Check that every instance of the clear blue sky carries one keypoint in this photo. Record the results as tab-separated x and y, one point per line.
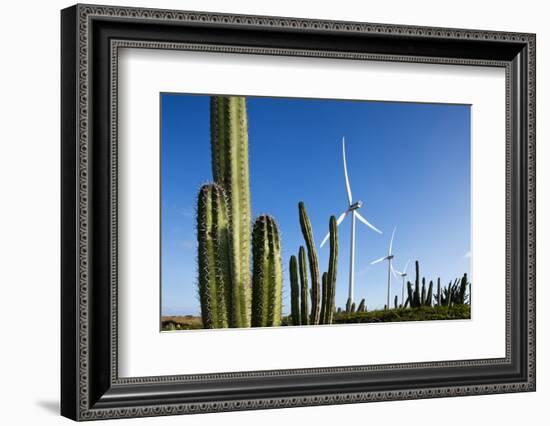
409	163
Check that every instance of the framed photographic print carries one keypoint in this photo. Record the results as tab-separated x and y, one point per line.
263	212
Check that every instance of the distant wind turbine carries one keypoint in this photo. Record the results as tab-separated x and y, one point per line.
389	258
402	274
353	209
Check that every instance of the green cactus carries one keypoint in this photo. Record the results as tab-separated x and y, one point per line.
429	295
267	273
410	295
324	298
362	306
395	302
294	291
438	291
423	294
332	270
229	144
352	309
461	296
304	286
348	305
214	256
417	302
305	225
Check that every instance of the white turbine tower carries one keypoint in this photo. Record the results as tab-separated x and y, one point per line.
402	274
353	208
389	258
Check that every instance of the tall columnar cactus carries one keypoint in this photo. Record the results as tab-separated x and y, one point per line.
362	306
324	298
304	287
461	296
229	143
332	272
423	294
214	256
305	225
267	273
410	295
429	295
416	302
395	302
438	291
294	291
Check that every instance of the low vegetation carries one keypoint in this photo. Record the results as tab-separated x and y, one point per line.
424	313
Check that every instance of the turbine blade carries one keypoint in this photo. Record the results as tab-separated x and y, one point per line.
378	260
394	272
406	266
365	221
391	241
341	217
325	240
350	197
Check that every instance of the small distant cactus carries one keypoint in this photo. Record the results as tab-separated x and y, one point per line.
348	305
267	273
454	294
395	302
429	295
362	306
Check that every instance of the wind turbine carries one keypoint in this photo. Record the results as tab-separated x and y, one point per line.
389	258
352	208
402	274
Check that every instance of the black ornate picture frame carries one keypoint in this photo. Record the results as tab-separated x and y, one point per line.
90	38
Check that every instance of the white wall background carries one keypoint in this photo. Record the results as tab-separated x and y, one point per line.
29	212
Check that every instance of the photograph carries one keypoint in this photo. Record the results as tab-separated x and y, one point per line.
283	212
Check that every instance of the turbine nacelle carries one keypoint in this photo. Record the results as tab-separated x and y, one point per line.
355	206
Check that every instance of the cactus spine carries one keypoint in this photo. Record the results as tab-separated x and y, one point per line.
214	256
229	143
267	273
305	225
304	312
294	291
